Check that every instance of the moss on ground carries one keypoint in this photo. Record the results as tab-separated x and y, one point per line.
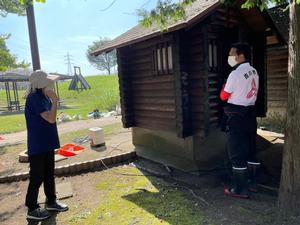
137	199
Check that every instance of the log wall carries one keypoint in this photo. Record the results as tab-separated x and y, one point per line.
148	98
277	70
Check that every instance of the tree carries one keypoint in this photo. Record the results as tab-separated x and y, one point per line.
7	60
11	6
289	193
105	61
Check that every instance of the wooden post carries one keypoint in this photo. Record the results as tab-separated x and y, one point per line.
205	80
259	63
125	91
33	37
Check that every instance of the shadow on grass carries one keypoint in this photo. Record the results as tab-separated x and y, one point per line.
167	204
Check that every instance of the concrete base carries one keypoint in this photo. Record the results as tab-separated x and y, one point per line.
189	154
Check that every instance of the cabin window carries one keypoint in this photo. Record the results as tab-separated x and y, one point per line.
163	59
213	56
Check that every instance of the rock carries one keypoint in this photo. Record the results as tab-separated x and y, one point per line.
23	157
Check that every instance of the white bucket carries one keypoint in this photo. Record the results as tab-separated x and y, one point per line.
96	135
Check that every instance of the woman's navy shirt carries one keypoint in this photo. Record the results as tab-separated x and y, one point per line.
42	136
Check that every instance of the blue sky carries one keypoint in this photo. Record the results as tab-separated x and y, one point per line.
70	26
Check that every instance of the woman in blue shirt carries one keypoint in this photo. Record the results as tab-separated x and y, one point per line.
42	140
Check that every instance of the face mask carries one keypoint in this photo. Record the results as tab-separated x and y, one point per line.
231	61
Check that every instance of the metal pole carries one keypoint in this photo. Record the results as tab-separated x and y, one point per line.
33	37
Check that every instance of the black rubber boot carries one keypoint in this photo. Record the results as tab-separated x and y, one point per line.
253	171
240	186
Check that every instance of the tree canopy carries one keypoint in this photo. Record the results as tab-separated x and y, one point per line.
166	12
7	60
11	6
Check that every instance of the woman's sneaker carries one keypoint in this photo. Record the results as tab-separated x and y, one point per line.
56	206
38	214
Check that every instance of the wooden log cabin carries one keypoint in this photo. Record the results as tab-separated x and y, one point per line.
170	81
277	64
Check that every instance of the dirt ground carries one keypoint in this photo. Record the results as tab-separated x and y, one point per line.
126	194
119	142
99	198
20	137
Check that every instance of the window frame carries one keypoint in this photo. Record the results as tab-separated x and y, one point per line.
213	59
162	61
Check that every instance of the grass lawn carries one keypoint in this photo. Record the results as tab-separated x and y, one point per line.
104	95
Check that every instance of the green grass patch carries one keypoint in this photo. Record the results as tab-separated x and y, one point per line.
139	200
103	95
12	123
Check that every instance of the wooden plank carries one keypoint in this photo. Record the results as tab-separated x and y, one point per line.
155	120
277	82
278	75
156	86
127	59
153	80
197	93
155	107
156	126
147	93
126	106
213	105
278	65
277	88
196	101
198	108
161	115
156	100
152	42
275	59
198	116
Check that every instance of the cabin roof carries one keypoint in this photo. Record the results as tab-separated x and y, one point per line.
138	33
195	12
280	16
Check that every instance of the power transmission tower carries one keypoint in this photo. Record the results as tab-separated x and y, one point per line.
69	62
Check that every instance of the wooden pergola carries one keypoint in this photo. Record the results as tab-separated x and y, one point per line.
11	80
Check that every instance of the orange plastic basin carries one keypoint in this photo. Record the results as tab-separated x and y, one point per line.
65	152
78	148
70	149
68	145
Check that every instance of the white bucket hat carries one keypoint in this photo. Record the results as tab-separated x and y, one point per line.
40	79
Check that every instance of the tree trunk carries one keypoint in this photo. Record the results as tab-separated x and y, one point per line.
289	193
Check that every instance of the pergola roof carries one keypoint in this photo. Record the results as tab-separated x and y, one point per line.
22	74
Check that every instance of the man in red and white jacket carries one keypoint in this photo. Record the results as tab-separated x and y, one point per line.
240	92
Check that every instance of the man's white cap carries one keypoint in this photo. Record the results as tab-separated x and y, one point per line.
40	79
